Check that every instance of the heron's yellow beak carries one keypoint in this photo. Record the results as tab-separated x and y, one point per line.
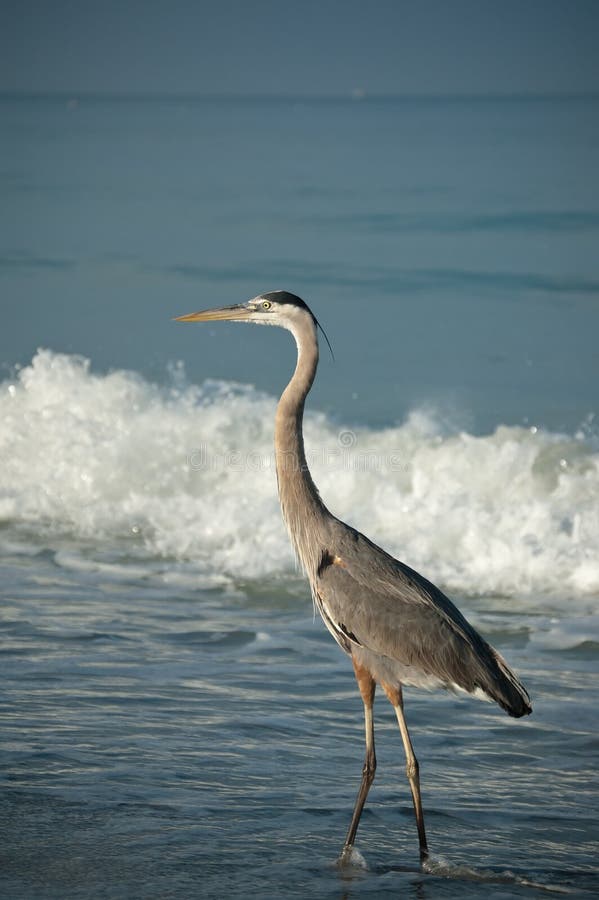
210	315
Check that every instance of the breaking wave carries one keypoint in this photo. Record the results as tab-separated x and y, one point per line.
184	476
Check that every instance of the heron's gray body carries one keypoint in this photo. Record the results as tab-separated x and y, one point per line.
397	627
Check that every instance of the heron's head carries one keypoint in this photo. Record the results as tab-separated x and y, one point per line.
274	308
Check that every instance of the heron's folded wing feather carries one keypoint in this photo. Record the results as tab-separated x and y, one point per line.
375	601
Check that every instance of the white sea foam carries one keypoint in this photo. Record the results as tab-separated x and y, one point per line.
185	477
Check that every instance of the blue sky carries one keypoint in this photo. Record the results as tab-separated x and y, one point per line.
326	47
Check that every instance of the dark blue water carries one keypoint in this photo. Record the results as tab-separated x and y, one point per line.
448	245
174	721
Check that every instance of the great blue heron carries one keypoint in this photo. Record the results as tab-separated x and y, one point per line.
397	627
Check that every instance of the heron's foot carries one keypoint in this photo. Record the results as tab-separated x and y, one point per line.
350	858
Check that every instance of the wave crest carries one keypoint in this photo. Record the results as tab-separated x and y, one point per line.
186	473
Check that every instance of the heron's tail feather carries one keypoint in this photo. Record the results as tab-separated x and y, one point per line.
508	691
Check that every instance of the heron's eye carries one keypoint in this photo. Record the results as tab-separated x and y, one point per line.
266	304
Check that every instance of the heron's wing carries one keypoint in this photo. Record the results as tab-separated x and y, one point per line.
369	599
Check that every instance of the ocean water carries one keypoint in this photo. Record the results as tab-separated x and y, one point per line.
175	722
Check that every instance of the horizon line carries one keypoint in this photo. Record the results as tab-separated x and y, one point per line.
356	95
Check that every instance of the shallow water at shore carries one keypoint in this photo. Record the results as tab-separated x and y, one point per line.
180	743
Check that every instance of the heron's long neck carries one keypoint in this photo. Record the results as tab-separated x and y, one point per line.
303	510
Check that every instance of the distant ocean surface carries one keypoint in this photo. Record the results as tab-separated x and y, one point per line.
174	721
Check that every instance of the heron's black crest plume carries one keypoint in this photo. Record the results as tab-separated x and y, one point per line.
318	325
284	297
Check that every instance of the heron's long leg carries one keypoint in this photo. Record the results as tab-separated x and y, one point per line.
412	769
367	686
